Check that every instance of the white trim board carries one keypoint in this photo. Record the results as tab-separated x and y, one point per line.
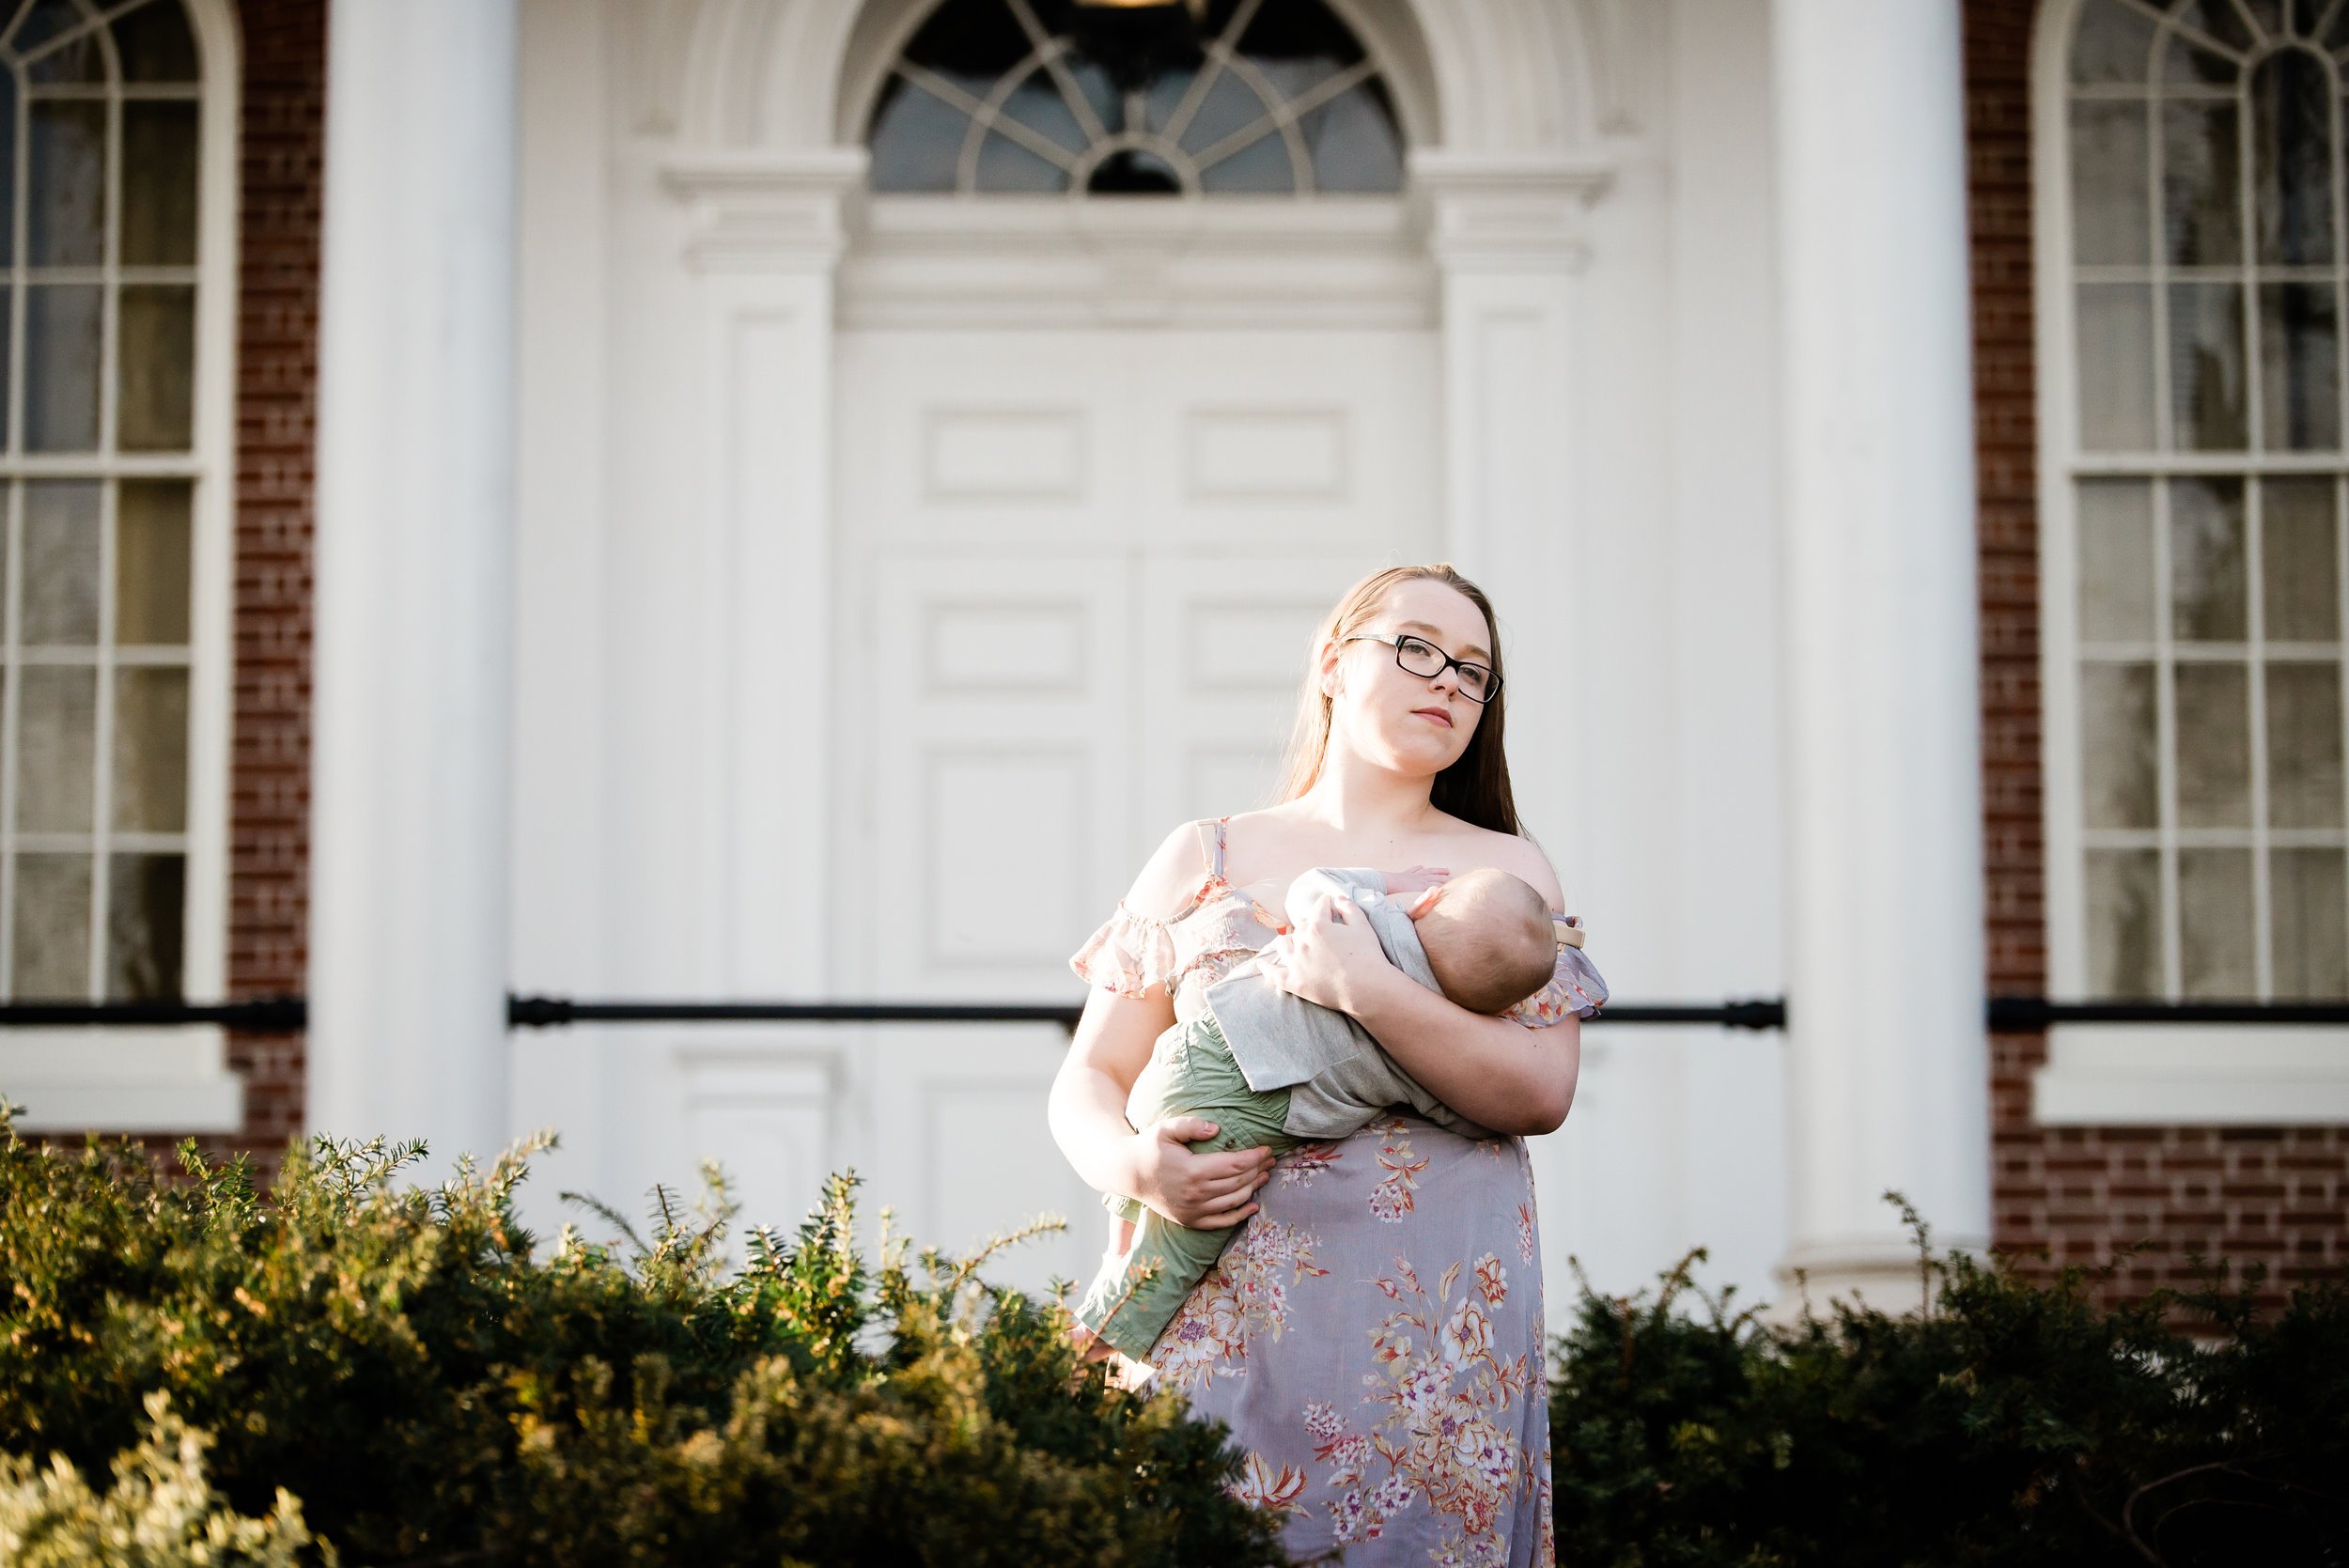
121	1080
2166	1074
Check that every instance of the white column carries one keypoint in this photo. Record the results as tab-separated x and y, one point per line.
1887	1071
1507	232
414	599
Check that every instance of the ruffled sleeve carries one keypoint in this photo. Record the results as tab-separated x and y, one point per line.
1575	986
1128	955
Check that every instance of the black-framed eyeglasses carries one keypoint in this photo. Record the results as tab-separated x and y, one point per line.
1420	657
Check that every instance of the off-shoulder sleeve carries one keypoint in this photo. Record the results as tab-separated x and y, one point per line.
1128	955
1575	986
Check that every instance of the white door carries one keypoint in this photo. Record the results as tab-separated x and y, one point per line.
1079	571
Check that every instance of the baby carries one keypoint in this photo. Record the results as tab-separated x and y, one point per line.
1273	1070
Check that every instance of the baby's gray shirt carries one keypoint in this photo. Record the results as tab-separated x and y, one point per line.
1337	1076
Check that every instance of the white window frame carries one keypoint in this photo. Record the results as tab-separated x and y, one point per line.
176	1079
2163	1074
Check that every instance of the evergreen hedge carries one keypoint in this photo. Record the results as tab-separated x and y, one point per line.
434	1390
357	1370
2015	1423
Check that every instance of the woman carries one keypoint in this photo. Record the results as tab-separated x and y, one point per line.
1373	1335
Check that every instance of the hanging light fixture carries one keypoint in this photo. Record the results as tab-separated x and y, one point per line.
1134	40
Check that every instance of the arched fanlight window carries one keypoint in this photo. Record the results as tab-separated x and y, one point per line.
1273	97
101	193
2196	560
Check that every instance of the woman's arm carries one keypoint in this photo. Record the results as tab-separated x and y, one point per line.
1510	1078
1503	1074
1087	1109
1156	1165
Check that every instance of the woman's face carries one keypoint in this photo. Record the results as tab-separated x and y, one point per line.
1416	724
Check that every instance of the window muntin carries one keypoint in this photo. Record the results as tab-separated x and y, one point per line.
1050	97
99	184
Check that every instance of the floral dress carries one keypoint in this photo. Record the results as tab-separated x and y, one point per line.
1373	1335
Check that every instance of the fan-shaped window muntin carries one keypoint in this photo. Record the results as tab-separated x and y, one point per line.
101	194
2206	495
1047	96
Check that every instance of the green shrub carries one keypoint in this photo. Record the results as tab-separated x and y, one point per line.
160	1512
432	1389
2013	1424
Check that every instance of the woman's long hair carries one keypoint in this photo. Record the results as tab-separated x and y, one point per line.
1476	787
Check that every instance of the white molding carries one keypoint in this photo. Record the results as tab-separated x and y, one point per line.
2162	1075
1007	262
121	1080
2054	353
765	211
1508	212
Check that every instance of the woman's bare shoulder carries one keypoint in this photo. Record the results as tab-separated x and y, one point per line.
1519	857
1169	877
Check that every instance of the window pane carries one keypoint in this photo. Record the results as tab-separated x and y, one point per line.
2206	385
56	743
145	897
2214	19
152	563
156	396
77	61
159	184
61	323
2116	560
7	167
2214	924
1037	104
2202	209
2116	328
1004	166
2119	773
44	19
2305	901
2292	147
154	43
2299	565
2111	215
1229	106
62	539
2304	745
2187	62
150	752
2113	43
1356	147
2206	596
916	140
1262	167
2124	922
50	942
2214	745
65	206
2299	367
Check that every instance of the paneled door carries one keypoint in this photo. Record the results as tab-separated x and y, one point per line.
1079	573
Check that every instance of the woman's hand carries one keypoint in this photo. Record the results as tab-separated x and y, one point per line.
1418	879
1206	1192
1323	956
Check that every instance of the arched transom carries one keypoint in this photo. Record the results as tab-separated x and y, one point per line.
1087	97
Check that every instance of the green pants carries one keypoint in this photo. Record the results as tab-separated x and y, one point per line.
1190	1072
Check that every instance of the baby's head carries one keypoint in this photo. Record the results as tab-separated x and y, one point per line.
1488	937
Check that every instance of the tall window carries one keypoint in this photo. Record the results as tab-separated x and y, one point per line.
99	184
1271	97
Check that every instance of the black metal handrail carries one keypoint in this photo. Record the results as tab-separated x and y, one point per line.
289	1014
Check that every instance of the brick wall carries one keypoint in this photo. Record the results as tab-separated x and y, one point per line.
2278	1195
280	160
